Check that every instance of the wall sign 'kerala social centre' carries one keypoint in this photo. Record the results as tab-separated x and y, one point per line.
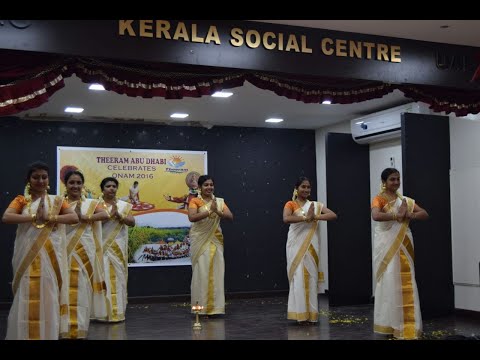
269	40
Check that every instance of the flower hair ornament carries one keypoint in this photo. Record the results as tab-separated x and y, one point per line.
84	193
295	194
383	187
26	192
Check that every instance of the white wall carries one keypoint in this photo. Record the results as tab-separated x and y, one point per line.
320	138
465	210
383	155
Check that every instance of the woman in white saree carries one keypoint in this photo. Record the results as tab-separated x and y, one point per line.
134	193
303	252
85	257
40	283
397	307
115	250
206	249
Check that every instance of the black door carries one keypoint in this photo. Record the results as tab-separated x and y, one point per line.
349	238
426	178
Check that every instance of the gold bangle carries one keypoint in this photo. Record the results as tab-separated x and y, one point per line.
34	217
89	218
304	218
39	226
394	216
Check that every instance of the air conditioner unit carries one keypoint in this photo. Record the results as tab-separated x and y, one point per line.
384	125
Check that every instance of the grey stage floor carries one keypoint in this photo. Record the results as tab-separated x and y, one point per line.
260	319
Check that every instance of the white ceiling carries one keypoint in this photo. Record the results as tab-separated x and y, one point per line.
250	106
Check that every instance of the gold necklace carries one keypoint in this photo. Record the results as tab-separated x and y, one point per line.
301	206
201	198
211	215
106	206
389	199
299	203
72	201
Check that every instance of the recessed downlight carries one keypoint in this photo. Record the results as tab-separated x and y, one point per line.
274	120
222	94
179	115
73	109
96	87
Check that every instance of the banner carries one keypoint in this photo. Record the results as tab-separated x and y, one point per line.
159	184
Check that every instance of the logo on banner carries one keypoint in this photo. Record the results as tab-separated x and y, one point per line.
176	163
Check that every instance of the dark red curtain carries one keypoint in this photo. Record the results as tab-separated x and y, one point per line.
27	80
459	102
317	90
148	80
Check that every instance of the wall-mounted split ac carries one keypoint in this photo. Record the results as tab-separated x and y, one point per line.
384	125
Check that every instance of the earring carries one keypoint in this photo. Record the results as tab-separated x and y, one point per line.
384	187
295	194
48	187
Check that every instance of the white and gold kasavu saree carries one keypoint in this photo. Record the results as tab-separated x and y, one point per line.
303	254
206	251
85	275
397	308
40	284
115	264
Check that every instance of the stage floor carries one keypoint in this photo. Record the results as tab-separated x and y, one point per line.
262	319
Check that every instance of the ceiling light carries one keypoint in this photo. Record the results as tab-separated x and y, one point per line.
222	94
274	120
326	102
71	109
98	87
178	116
